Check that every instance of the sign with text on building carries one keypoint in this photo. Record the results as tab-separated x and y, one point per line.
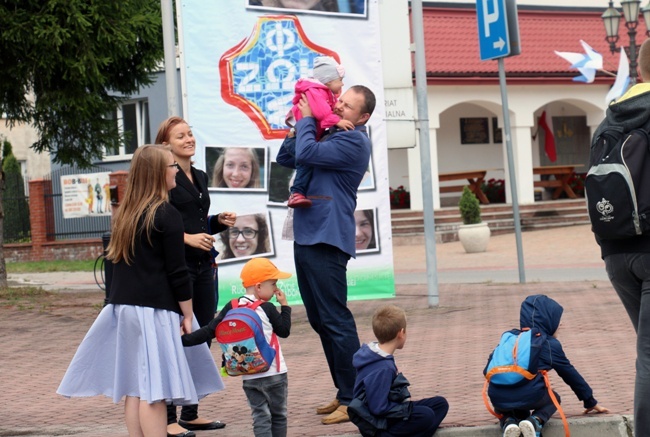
400	117
86	195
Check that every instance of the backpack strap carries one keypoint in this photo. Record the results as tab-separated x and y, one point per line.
253	306
544	373
487	401
275	344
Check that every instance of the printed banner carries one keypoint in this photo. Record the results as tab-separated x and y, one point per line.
240	62
86	195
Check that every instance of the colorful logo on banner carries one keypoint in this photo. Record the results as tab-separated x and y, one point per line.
259	74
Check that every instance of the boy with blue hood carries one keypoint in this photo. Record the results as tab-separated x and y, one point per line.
515	402
382	404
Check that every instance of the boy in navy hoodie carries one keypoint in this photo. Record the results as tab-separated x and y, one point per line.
382	404
516	402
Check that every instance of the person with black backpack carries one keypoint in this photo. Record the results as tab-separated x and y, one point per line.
627	257
513	401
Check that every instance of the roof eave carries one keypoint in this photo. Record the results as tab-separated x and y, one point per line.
519	79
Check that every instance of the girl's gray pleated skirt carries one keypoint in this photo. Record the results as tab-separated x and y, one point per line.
137	351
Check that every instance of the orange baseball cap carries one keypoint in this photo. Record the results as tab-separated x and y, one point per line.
259	270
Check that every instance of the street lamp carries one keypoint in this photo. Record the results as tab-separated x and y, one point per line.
612	17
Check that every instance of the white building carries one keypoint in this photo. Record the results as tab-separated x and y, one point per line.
464	90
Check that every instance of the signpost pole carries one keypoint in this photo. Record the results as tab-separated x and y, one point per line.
511	171
422	124
498	37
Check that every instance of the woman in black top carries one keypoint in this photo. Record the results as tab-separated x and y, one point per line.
151	298
192	199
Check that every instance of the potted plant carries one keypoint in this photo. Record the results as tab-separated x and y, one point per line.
399	198
473	233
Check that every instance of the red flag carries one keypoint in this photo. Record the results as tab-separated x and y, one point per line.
549	140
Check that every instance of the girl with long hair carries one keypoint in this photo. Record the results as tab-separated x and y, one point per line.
134	348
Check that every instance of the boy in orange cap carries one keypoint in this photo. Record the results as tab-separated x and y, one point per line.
267	391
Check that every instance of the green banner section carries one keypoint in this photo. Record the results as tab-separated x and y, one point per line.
363	284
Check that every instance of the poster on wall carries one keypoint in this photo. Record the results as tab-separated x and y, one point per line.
86	195
240	61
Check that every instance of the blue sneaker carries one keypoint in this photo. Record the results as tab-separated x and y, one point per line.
510	428
531	427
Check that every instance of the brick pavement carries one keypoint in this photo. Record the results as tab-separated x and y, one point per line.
445	353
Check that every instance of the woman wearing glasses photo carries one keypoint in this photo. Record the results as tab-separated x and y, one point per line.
249	236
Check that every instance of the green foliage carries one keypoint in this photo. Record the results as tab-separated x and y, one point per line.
61	58
15	226
470	210
51	266
6	148
25	298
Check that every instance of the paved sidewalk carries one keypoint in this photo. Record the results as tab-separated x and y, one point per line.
447	348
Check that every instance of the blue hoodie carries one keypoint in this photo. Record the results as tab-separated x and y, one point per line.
380	391
542	312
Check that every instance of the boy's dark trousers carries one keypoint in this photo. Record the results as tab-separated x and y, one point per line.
423	421
543	409
303	172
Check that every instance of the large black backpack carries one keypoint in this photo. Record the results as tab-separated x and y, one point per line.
617	186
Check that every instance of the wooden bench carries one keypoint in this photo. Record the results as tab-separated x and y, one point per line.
473	177
562	174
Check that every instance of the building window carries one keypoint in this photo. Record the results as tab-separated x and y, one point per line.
132	118
23	172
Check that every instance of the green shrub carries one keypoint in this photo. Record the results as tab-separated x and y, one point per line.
470	210
16	221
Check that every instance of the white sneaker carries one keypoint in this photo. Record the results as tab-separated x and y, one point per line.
527	428
512	430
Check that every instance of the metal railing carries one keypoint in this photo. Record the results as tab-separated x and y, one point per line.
60	228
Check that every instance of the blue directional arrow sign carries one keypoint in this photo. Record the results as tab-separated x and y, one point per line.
493	38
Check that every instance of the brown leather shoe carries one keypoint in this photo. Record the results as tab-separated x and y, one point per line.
340	415
329	408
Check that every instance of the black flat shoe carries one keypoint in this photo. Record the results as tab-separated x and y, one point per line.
182	434
201	426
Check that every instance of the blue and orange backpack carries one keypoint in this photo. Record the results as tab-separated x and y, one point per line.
515	361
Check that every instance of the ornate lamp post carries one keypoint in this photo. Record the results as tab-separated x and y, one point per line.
612	17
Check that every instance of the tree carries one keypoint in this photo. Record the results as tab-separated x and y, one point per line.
3	267
61	64
16	209
62	61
